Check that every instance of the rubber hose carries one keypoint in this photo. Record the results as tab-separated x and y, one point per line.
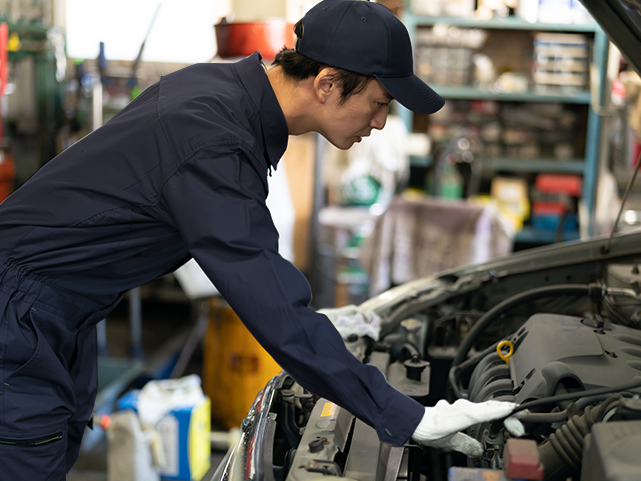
490	316
410	350
504	306
561	454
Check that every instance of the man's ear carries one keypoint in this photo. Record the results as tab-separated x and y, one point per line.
325	84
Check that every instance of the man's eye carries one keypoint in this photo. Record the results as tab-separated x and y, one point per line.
382	105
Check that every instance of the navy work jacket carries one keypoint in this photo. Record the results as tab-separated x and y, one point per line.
181	172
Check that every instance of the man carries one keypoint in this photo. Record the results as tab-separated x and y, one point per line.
182	172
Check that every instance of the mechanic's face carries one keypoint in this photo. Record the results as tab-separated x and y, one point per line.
354	119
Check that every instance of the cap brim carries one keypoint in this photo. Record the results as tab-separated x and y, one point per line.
413	93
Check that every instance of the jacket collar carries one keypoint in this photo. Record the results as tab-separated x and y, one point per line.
272	119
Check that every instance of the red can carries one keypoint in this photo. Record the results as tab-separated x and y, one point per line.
244	38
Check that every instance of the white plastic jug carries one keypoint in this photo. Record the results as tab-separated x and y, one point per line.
129	449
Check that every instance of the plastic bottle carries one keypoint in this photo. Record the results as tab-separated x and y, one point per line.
129	453
451	182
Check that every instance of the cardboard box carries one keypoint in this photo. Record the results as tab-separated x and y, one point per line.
511	195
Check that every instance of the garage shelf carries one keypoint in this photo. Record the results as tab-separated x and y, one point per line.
576	166
530	235
472	93
498	23
586	166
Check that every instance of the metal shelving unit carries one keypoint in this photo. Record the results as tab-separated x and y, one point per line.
531	235
411	21
576	166
588	166
469	93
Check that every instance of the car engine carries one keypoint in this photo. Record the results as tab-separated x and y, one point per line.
570	356
557	355
567	351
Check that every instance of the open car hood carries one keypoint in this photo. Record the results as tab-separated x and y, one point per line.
394	304
621	21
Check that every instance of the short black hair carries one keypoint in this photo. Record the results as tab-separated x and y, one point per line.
299	67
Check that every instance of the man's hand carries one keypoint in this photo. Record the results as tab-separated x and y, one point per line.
441	424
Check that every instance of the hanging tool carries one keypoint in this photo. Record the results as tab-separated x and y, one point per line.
133	79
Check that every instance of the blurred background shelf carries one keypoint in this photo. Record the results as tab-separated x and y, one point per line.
510	34
574	166
531	235
536	165
471	93
502	23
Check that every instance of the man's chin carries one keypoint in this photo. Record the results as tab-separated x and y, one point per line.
342	146
345	145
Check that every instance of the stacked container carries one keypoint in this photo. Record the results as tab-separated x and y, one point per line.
561	62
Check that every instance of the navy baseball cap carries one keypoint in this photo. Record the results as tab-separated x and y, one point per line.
367	38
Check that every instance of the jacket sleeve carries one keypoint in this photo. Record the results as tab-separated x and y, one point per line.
217	201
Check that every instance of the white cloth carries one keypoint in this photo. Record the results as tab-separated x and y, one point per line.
350	320
424	236
441	424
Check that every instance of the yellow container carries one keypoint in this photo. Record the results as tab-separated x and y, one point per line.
235	367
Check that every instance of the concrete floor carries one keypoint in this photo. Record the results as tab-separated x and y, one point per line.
92	465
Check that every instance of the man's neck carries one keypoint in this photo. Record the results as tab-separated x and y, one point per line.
295	100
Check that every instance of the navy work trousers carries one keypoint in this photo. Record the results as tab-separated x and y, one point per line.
48	378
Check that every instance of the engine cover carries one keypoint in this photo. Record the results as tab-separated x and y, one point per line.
554	350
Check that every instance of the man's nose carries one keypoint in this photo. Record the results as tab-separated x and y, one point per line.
379	119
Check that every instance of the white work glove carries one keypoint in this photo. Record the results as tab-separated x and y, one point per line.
350	320
441	424
334	312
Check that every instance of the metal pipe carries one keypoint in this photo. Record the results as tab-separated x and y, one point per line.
135	322
606	247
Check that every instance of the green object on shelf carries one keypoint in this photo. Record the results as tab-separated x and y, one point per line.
361	190
451	183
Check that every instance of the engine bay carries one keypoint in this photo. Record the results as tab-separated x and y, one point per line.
568	351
